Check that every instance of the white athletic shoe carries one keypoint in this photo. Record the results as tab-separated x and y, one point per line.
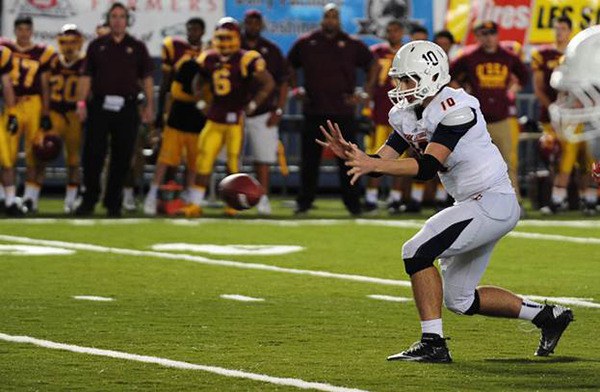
150	206
264	206
129	202
69	207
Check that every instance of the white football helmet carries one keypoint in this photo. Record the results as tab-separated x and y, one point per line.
423	62
577	80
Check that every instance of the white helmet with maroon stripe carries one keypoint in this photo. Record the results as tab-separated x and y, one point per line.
423	62
578	81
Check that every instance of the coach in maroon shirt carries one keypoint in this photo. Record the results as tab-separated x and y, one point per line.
329	58
116	65
487	70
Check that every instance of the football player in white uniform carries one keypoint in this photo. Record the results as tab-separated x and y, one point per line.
447	129
578	83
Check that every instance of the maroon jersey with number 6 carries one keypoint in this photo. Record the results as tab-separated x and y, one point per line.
229	80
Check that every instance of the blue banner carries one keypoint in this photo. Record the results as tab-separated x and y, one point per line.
286	20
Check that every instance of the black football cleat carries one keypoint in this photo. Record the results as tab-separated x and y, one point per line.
28	207
84	210
431	348
396	208
14	210
552	320
369	208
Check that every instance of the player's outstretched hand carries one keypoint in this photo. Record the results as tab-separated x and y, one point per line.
334	140
360	163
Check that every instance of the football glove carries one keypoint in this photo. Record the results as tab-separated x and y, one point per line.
12	124
46	123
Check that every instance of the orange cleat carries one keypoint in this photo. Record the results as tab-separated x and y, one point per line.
190	211
230	212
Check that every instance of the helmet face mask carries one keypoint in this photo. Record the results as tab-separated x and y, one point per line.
419	70
579	88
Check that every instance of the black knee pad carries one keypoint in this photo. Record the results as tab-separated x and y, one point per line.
416	264
474	308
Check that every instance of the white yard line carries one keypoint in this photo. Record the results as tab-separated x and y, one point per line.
292	382
230	249
412	223
93	298
554	237
389	298
242	298
203	260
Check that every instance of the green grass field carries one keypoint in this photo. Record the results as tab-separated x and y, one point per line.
319	328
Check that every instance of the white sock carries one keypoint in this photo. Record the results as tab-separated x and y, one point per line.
417	192
395	195
32	192
197	194
440	193
591	195
153	192
432	326
529	309
2	194
372	195
559	195
70	194
9	195
128	193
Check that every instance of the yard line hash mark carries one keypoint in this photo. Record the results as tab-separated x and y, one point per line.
242	298
93	298
292	382
389	298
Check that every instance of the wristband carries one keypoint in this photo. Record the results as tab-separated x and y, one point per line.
252	106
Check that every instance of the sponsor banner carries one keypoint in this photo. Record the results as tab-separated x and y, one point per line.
150	20
286	20
583	13
525	21
512	16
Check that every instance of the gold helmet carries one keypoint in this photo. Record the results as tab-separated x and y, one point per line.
227	36
70	40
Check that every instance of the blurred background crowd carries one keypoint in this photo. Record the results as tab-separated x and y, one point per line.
147	104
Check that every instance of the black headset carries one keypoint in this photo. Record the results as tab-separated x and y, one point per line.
118	5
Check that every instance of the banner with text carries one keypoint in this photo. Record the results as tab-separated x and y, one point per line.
525	21
150	20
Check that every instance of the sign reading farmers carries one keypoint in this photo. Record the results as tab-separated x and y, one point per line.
151	20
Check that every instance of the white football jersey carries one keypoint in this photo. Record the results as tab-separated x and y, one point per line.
475	165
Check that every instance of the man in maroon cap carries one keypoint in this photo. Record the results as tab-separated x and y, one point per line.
487	70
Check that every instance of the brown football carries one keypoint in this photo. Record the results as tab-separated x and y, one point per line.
240	191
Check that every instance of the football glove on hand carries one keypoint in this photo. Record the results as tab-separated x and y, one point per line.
46	123
12	124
